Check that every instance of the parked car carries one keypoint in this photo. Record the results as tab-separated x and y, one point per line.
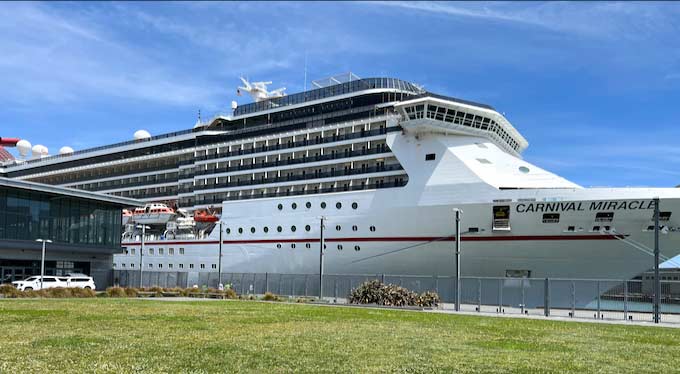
33	283
79	281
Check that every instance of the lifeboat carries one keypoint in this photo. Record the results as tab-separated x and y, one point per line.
153	214
203	216
127	216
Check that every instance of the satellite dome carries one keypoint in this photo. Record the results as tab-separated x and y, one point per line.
23	146
65	150
234	105
39	150
141	135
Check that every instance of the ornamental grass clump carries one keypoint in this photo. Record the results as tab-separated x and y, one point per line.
116	292
378	293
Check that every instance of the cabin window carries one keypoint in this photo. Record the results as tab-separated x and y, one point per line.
338	205
191	266
551	217
181	266
293	228
240	230
372	228
202	266
308	245
228	231
160	251
430	157
150	266
596	228
265	229
323	205
307	227
280	206
604	216
279	228
150	251
170	266
160	266
338	227
357	248
571	228
354	228
292	245
181	251
308	205
132	251
339	247
171	251
132	265
278	246
252	230
293	205
214	266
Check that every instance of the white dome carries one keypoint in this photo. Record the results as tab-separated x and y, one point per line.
141	135
23	146
39	150
65	150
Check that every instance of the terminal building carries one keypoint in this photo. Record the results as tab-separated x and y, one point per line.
84	229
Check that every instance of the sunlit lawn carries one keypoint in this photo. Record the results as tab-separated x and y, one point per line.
123	335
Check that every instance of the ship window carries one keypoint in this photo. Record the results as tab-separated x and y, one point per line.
181	251
292	245
293	205
171	251
252	230
483	161
473	229
307	228
160	251
323	205
430	157
338	227
265	229
132	251
278	246
160	266
551	217
604	216
524	169
279	228
338	205
308	205
240	230
181	266
357	248
518	273
150	265
664	216
355	205
132	265
150	251
339	247
292	228
202	266
191	266
372	228
214	266
228	230
308	245
571	228
354	228
596	228
280	206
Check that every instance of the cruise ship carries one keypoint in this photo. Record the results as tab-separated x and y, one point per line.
382	164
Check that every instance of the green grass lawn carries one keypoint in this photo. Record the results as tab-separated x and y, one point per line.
121	335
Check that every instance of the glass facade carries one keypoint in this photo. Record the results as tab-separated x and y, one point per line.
30	215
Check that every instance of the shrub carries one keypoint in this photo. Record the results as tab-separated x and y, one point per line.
268	296
9	291
375	292
116	292
130	292
58	292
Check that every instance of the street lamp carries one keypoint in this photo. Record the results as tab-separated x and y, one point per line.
42	260
141	253
458	214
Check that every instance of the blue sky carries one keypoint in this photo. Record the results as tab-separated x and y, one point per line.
594	87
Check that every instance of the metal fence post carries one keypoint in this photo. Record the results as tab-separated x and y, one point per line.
625	300
598	301
500	295
335	287
305	285
266	282
522	287
382	278
479	294
546	289
573	299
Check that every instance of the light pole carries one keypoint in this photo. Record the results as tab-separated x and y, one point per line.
321	245
42	260
141	253
657	281
458	214
219	262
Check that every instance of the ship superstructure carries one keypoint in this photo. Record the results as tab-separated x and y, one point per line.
385	163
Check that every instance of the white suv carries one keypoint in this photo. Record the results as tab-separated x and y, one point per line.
69	281
33	283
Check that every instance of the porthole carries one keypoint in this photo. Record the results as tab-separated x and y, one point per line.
265	229
228	230
280	206
339	247
372	228
308	245
308	205
323	205
279	229
240	230
292	228
252	230
357	248
338	205
355	205
338	227
293	205
307	228
355	228
292	245
524	169
278	246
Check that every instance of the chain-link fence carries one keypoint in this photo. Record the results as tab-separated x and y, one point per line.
569	298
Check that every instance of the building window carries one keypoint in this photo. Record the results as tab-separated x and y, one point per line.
355	205
181	251
430	157
338	205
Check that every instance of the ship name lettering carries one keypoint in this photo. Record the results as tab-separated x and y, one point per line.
581	206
